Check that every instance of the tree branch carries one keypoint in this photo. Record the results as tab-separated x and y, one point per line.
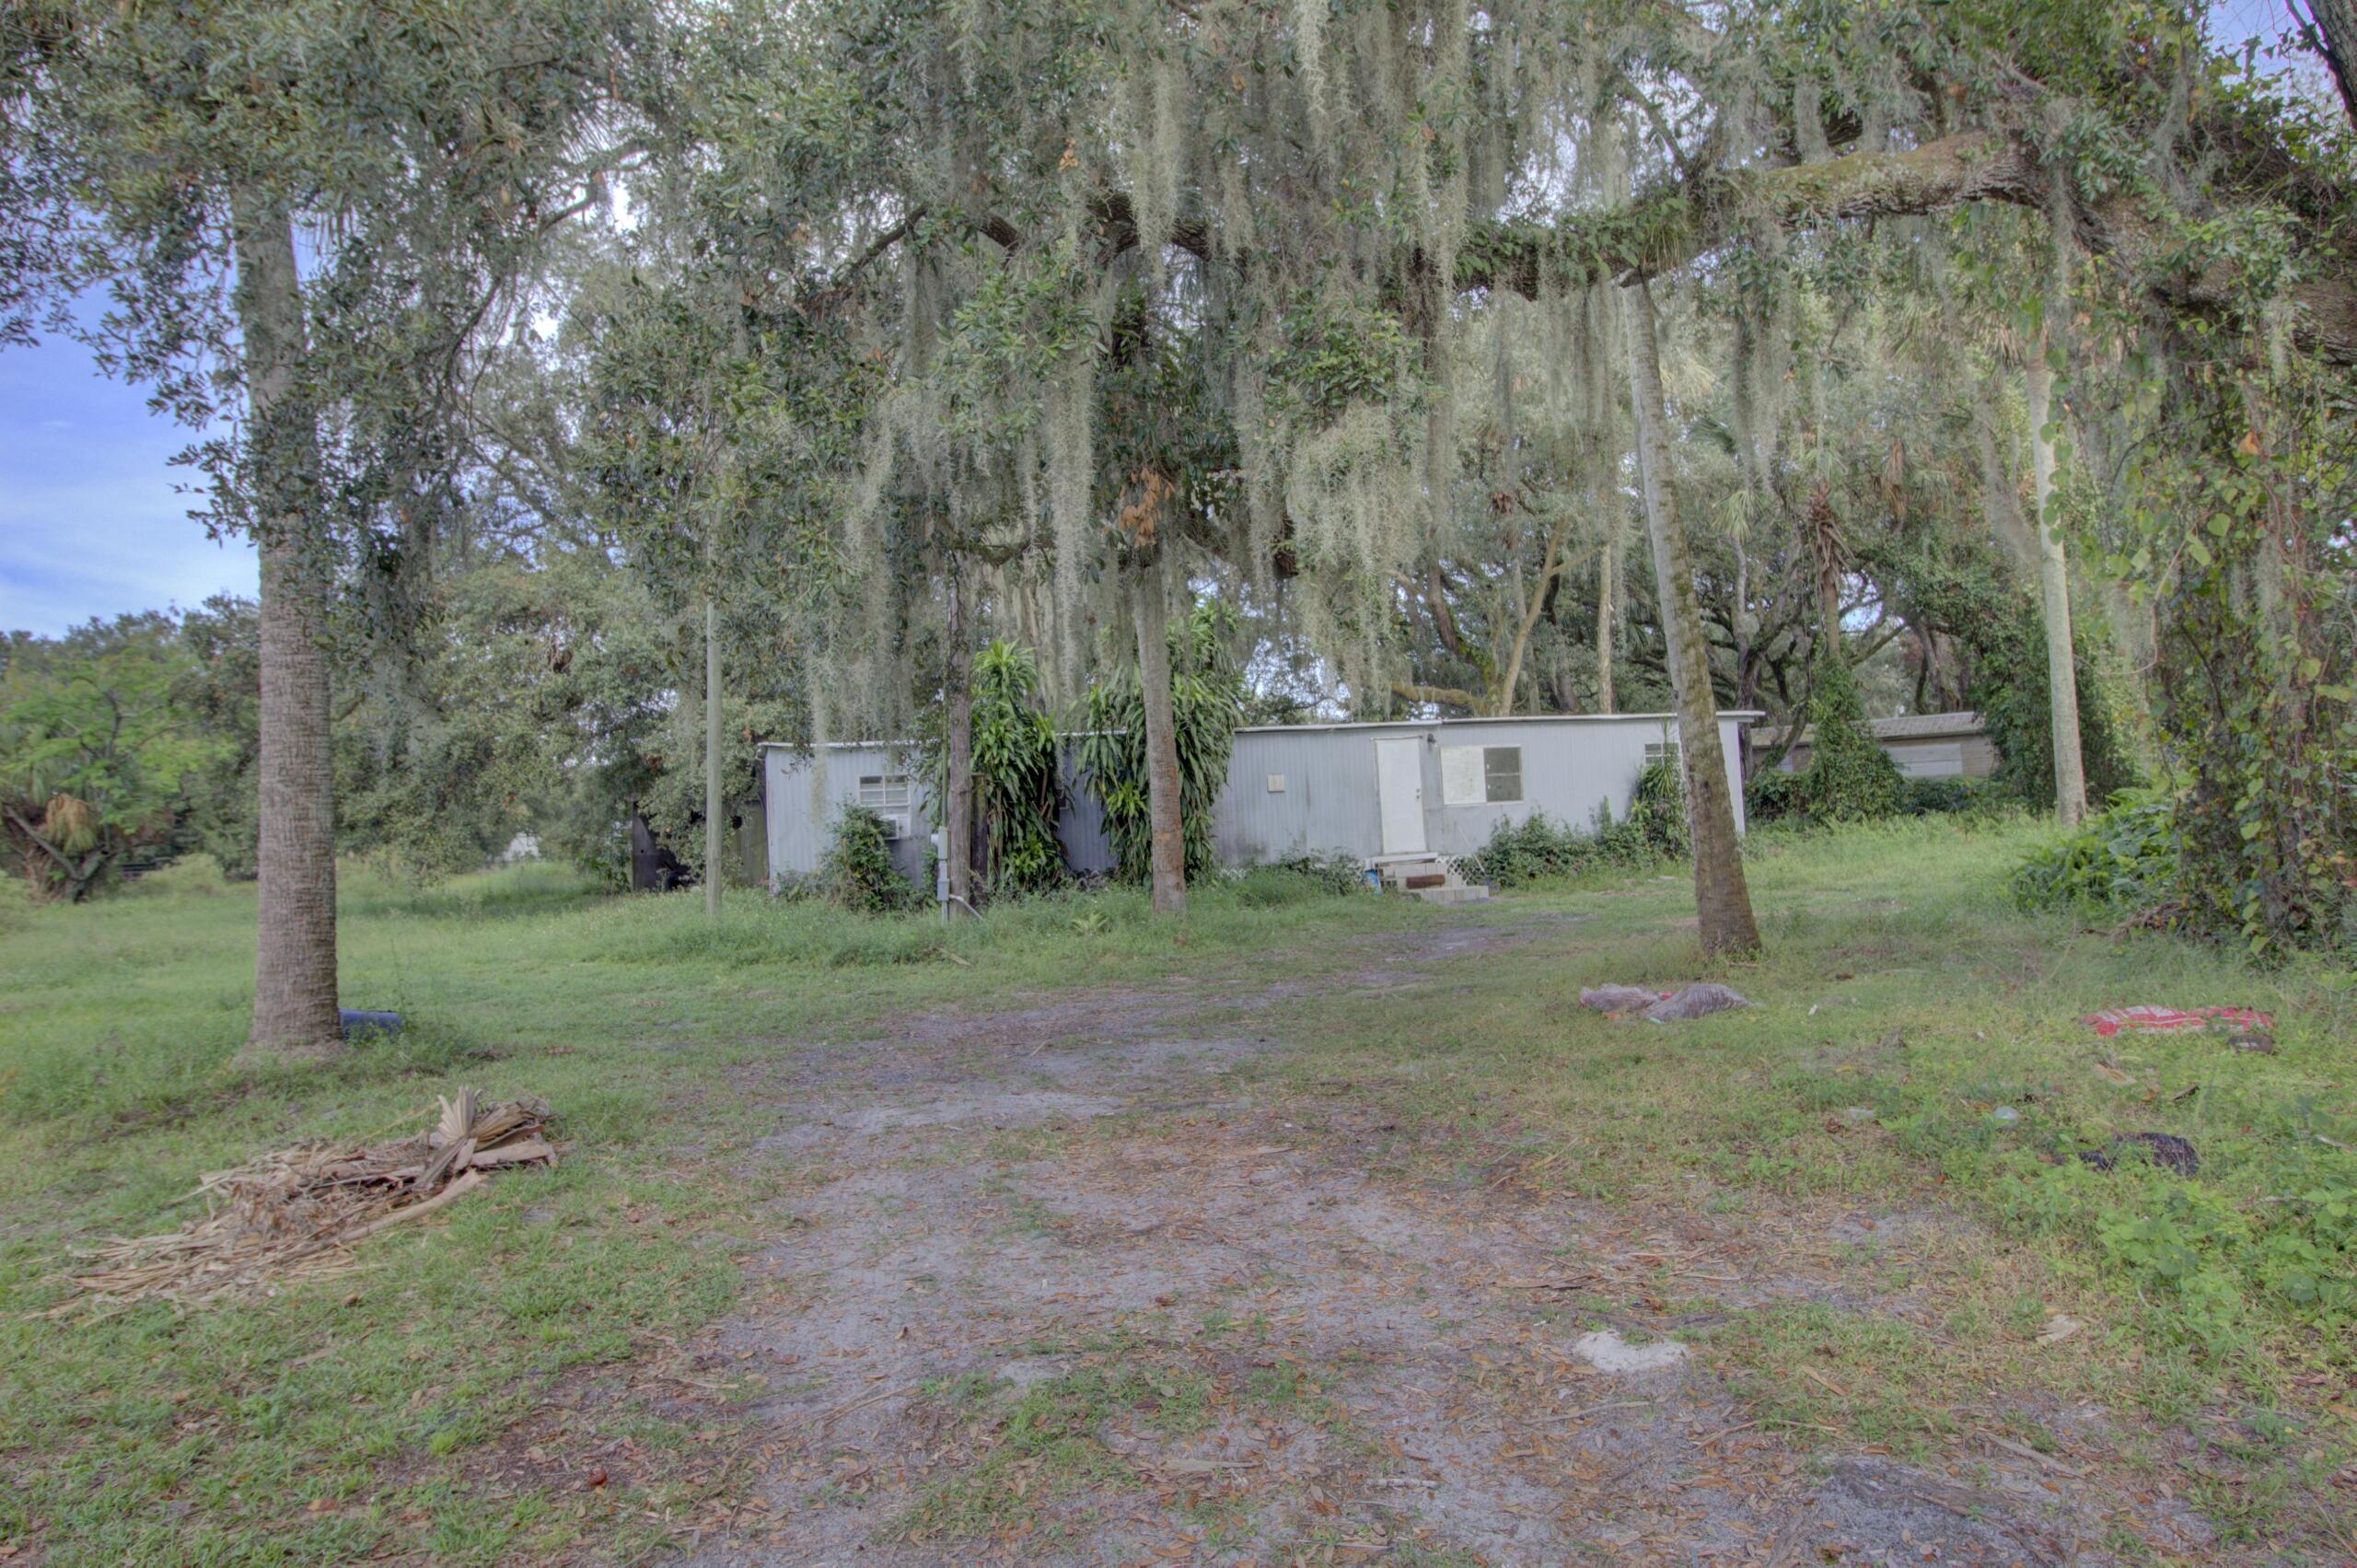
1672	225
1450	696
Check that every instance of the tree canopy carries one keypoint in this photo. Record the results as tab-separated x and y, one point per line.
750	368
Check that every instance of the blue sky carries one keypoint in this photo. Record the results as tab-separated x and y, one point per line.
92	520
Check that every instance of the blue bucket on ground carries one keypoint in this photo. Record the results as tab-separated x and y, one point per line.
358	1025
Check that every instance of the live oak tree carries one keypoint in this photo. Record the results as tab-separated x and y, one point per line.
1310	199
1112	294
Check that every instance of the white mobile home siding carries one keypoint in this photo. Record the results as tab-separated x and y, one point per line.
1329	803
1925	746
1571	765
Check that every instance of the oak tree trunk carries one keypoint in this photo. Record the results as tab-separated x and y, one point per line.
294	980
2054	585
2333	36
1722	899
1152	616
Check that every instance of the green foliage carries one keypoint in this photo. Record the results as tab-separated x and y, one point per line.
1955	795
2126	858
1018	791
96	756
1300	880
1850	778
1656	811
2218	1271
2225	517
1963	593
1335	352
221	694
1538	849
1019	326
2256	672
857	872
2013	695
1207	694
1770	794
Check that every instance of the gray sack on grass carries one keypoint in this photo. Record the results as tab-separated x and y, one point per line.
1620	998
1695	1002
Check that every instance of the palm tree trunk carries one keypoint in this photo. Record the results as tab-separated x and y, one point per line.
2054	583
1152	616
1721	897
1607	596
712	808
295	979
957	810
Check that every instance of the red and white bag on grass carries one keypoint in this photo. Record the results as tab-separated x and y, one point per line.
2165	1020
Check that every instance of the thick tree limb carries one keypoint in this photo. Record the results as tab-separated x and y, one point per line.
1672	226
1446	696
2330	31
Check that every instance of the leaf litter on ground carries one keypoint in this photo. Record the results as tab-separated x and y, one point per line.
296	1214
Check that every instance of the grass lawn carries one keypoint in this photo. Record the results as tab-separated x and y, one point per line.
1916	1054
1919	1053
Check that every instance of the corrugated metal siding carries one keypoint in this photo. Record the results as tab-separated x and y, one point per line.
1328	804
797	840
1927	758
1080	827
798	837
1570	768
1972	757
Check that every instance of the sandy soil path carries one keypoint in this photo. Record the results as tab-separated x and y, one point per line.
1062	1287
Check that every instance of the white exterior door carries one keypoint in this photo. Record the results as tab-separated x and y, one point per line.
1399	791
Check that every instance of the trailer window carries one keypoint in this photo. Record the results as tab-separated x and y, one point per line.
1481	775
1502	772
888	795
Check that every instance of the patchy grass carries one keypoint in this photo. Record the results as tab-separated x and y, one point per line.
370	1415
1917	1051
405	1411
1035	1447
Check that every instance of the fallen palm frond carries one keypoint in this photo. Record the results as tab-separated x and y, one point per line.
296	1214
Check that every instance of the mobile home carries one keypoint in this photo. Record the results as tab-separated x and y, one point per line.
1399	791
1925	746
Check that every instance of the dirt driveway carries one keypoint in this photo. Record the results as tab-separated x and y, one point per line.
1072	1285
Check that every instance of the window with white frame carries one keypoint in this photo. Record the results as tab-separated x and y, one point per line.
888	795
1661	751
1481	775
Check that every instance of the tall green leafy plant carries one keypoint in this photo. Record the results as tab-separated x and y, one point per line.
1018	791
1207	702
858	873
1656	813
